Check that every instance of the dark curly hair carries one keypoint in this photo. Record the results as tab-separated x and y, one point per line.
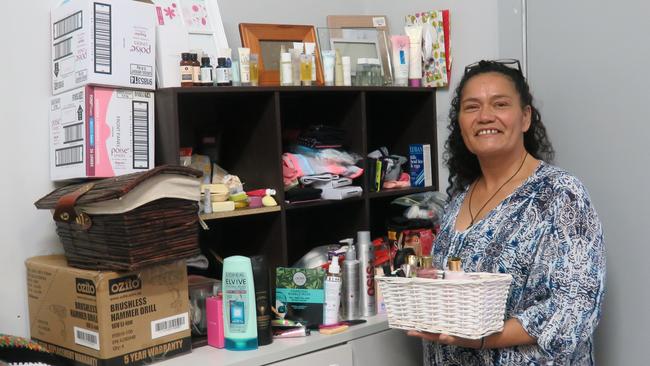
463	165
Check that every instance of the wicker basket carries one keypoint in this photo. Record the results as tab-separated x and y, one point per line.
470	308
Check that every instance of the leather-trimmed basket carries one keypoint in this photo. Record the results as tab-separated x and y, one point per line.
158	229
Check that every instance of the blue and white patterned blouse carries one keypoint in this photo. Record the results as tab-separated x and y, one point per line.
547	235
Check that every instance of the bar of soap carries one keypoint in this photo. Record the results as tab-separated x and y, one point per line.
254	202
268	201
333	330
240	204
223	206
241	196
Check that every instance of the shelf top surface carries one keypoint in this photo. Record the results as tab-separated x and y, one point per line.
249	89
280	349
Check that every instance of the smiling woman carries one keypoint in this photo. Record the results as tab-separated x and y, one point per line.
510	211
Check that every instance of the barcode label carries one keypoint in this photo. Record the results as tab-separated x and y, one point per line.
86	338
140	115
68	156
103	38
73	133
63	49
68	25
169	325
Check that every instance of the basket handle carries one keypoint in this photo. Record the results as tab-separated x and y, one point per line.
66	213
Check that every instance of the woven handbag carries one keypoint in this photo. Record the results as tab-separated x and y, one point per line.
469	308
157	228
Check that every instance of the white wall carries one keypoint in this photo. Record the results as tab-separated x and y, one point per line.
588	66
481	29
24	98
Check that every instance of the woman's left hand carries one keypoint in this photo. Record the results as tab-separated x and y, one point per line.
446	339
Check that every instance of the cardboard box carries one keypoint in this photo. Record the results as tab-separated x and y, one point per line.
98	132
111	43
420	165
182	26
108	318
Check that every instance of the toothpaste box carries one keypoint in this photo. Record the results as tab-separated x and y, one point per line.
108	42
420	165
300	294
104	318
98	132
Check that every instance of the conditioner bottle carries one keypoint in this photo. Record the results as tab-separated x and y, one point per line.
262	299
240	319
332	293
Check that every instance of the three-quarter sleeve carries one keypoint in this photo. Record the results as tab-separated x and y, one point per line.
561	303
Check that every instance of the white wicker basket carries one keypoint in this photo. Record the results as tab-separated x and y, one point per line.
470	308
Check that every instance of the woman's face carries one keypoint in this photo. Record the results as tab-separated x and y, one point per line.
492	120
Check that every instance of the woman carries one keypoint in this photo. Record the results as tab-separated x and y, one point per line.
510	211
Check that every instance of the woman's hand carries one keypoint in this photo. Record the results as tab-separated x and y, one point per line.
446	339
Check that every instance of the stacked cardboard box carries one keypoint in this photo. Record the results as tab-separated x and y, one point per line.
102	131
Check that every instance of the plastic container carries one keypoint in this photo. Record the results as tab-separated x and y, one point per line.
240	318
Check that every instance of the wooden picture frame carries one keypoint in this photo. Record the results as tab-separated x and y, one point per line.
379	22
258	37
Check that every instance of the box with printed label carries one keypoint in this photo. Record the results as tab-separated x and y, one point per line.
110	43
98	132
108	318
420	165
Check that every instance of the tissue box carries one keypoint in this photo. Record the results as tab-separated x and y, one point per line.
98	132
111	43
300	294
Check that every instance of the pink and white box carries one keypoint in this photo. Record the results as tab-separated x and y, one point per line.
98	132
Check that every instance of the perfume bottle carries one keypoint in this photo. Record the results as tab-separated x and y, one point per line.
455	271
426	269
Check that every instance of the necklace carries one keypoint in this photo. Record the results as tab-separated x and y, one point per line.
471	193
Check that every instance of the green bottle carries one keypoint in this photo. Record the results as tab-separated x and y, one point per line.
240	318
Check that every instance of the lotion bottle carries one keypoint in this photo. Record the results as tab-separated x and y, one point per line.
240	318
332	293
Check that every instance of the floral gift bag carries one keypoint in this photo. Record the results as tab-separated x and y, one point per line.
436	67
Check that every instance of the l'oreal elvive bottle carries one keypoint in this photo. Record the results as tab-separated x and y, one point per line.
240	320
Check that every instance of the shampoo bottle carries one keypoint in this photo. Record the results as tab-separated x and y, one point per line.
332	293
262	299
240	320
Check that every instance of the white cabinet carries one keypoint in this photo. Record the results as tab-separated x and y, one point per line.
335	356
390	347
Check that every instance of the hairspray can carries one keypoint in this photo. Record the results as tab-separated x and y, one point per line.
350	288
366	255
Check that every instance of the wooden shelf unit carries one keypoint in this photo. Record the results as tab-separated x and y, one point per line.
248	124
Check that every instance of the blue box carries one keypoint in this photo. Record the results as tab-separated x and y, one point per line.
420	165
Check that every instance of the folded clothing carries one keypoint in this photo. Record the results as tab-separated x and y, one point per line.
302	194
314	179
295	166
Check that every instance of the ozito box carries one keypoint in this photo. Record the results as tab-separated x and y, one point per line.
107	318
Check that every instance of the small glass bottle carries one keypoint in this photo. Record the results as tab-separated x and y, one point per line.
295	66
362	71
222	72
254	69
375	71
187	69
305	70
206	72
455	271
426	269
196	70
285	69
